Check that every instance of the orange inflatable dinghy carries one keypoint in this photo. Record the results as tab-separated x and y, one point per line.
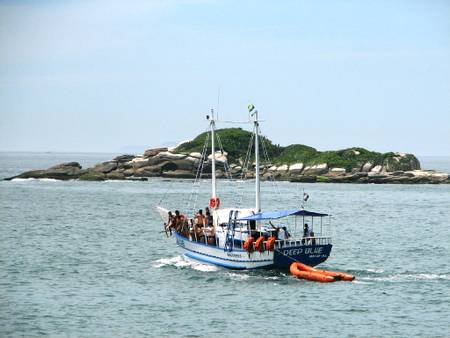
336	274
313	276
304	271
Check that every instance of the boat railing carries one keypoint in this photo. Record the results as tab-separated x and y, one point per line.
305	241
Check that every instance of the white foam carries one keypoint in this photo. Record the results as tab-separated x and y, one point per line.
34	179
375	270
182	262
405	277
238	276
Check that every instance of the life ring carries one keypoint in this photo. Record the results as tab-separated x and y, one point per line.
270	244
214	203
248	245
259	244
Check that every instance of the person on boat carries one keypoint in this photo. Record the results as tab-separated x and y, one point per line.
280	232
179	221
305	233
170	224
199	224
210	234
209	218
283	233
313	239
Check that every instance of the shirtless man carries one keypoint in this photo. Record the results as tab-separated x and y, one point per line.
179	221
199	224
170	224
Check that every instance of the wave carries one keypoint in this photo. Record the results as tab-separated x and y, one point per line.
182	262
406	277
34	179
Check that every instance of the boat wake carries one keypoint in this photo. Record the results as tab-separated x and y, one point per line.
375	275
182	262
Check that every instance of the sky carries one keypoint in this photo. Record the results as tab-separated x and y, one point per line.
122	76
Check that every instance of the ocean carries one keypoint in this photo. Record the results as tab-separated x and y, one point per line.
88	259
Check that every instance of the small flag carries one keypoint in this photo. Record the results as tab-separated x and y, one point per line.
305	196
250	107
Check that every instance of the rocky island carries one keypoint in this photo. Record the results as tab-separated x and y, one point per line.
295	163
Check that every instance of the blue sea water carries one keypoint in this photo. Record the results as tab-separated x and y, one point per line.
87	259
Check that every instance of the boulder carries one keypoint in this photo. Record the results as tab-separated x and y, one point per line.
367	167
124	158
63	171
315	170
179	174
196	155
400	161
440	176
303	179
152	171
154	151
337	171
296	168
183	165
92	176
66	165
139	162
115	175
104	167
220	157
283	168
429	175
194	160
128	172
168	156
273	168
376	169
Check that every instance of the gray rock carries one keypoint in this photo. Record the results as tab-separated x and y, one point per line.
115	175
337	171
154	151
104	167
168	156
67	165
124	158
139	163
92	176
376	169
147	172
178	174
295	169
303	179
63	171
184	164
317	169
367	167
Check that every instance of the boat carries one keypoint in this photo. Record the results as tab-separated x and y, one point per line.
304	271
246	238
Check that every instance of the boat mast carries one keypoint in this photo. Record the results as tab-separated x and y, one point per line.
257	182
213	159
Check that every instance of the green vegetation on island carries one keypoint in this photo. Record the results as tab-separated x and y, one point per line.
235	142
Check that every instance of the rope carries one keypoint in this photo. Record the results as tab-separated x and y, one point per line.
226	166
240	194
198	175
275	186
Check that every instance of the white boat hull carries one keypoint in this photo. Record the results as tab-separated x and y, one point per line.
236	259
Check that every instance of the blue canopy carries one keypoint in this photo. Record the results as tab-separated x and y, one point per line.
280	214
